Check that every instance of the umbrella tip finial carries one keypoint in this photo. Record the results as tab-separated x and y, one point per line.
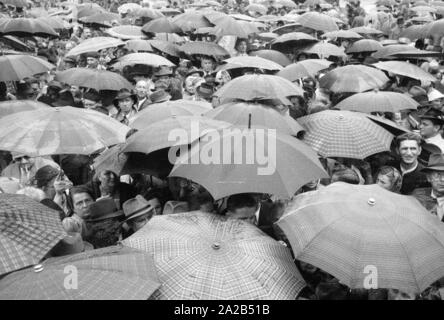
371	201
215	246
38	268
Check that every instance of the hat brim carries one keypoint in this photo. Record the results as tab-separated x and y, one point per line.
107	216
132	96
433	168
140	213
441	121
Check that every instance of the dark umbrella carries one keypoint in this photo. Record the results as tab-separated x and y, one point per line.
23	27
161	25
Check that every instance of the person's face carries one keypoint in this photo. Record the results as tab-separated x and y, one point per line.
138	223
92	62
409	151
142	89
436	104
49	189
436	179
35	88
107	183
242	47
384	182
189	87
81	204
87	33
90	104
74	90
126	104
427	129
246	214
207	65
157	207
25	162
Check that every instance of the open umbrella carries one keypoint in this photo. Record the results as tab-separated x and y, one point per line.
218	259
203	48
65	130
14	106
142	58
126	32
254	7
318	21
366	30
129	7
405	69
423	9
16	3
378	101
344	134
224	162
250	62
25	27
94	44
353	78
272	55
16	67
165	47
161	25
343	34
148	13
288	41
139	45
166	110
112	273
435	29
242	114
28	230
88	9
413	32
94	79
258	87
15	44
267	36
391	50
190	21
388	125
305	68
347	229
55	22
365	45
325	50
101	18
228	26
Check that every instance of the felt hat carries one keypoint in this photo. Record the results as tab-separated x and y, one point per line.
434	115
163	71
137	207
160	96
436	163
205	90
123	94
103	209
194	70
175	207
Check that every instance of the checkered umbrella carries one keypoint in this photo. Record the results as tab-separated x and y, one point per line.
202	256
345	134
351	231
28	230
112	273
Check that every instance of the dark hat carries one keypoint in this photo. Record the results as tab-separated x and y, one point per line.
195	70
140	70
436	163
70	60
137	207
205	90
103	209
92	54
160	96
92	95
163	71
55	84
65	99
433	114
123	94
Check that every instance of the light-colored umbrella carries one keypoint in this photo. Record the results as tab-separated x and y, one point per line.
405	69
365	45
65	130
129	7
150	59
203	256
345	134
272	55
94	44
250	62
14	106
126	32
94	79
344	34
366	30
161	25
318	21
190	21
305	68
325	50
228	26
351	231
203	48
16	67
391	50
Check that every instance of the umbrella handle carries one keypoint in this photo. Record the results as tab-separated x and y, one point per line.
249	121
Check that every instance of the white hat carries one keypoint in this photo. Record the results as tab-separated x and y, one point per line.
434	95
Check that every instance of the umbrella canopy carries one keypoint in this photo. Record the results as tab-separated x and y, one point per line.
16	67
55	22
142	58
139	45
148	13
365	45
65	130
344	134
290	40
112	273
243	114
88	9
345	228
25	27
423	9
318	21
161	25
366	30
405	69
28	230
218	259
165	47
203	48
166	110
267	36
190	21
378	101
94	44
94	79
387	124
272	55
258	87
325	50
15	106
233	167
228	26
305	68
413	32
251	62
435	29
157	136
101	18
255	7
16	3
343	34
129	7
391	50
126	32
353	78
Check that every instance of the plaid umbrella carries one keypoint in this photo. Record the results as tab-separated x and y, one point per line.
190	21
250	62
166	110
318	21
353	78
25	27
161	25
272	55
236	169
28	230
16	67
203	48
241	114
305	68
94	79
405	69
95	44
13	106
343	34
344	134
344	228
378	101
65	130
142	58
202	256
112	273
365	45
325	50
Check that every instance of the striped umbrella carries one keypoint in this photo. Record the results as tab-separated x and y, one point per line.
353	78
318	21
202	256
112	273
65	130
378	101
351	231
28	230
345	134
93	78
305	68
14	106
16	67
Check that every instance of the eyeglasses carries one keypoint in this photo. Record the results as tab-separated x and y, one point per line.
438	176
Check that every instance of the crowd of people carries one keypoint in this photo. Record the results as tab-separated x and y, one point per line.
99	207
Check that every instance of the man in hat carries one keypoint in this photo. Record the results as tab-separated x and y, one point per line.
125	102
430	127
68	63
52	93
205	92
160	96
93	101
433	198
138	211
164	77
208	65
143	90
92	60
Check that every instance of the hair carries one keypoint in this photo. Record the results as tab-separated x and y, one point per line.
393	174
79	189
32	192
346	175
44	175
408	136
242	200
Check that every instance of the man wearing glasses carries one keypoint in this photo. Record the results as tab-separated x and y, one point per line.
433	198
